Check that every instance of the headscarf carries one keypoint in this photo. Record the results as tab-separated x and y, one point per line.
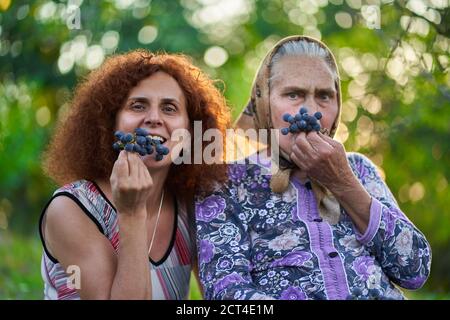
257	115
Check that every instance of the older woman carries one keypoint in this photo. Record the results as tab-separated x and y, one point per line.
325	226
118	227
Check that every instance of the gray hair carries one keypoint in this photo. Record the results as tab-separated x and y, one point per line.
303	48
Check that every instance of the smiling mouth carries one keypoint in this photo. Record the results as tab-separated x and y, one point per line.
159	138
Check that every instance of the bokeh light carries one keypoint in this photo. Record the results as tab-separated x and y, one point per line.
215	56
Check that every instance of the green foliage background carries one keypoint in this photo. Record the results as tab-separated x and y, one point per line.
395	82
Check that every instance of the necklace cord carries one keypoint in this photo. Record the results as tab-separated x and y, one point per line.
156	224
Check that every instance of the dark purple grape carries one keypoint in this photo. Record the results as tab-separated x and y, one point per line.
165	151
141	132
291	119
127	138
294	128
302	124
318	115
149	149
136	148
118	134
141	140
159	148
117	146
311	120
129	147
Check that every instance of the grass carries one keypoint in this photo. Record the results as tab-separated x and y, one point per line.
20	276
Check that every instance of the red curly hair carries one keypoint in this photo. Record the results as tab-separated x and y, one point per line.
81	147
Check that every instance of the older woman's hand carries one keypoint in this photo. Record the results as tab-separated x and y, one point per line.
322	159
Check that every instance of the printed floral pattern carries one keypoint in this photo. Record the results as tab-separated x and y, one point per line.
210	208
295	258
292	293
206	251
253	245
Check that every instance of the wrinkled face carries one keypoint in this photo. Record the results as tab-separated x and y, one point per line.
157	104
302	81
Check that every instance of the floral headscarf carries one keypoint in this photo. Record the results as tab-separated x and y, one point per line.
257	115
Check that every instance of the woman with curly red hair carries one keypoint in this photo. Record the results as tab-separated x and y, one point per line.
118	227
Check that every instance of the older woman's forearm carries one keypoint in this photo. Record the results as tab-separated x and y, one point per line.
356	201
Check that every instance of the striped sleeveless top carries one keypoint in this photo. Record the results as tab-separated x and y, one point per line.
170	276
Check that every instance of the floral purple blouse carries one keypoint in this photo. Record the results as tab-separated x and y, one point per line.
256	244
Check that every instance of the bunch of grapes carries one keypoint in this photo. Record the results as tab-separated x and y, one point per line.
302	122
140	142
